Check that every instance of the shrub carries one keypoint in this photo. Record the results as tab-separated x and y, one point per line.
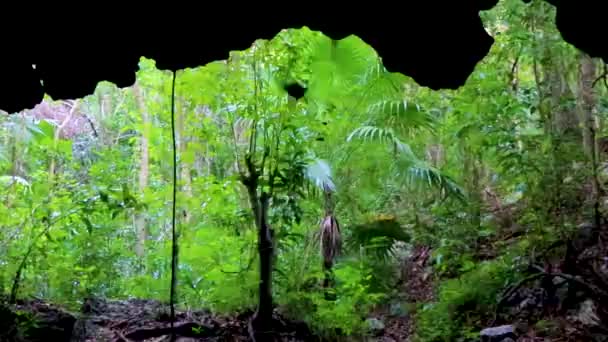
345	315
464	302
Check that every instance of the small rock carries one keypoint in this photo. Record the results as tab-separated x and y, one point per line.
398	309
375	326
501	333
587	314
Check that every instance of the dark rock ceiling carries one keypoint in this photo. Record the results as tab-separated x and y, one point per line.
437	43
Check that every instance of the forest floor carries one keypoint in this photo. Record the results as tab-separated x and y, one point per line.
148	320
133	320
418	286
563	298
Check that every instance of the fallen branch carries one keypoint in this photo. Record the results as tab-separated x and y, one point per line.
591	288
542	273
121	324
121	337
189	329
511	290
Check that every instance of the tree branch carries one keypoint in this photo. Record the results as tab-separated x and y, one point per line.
603	76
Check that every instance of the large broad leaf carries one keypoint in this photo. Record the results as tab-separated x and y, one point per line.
64	147
356	60
325	84
341	68
45	133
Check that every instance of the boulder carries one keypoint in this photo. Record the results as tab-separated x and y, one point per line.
34	320
503	333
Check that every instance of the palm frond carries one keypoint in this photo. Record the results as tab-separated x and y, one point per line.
378	236
243	122
371	133
318	172
417	171
376	73
402	115
423	174
386	135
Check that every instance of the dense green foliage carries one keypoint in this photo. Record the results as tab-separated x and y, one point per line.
86	204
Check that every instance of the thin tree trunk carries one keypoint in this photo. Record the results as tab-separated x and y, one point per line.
105	107
140	220
263	316
56	137
262	320
14	162
587	103
185	166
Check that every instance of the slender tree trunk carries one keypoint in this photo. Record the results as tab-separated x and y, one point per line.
472	174
266	251
263	317
140	220
560	123
587	103
105	108
14	161
262	320
58	131
185	166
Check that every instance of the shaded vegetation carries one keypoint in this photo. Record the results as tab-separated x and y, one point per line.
314	186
